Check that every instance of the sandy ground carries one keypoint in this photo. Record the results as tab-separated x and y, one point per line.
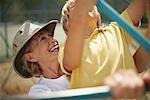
14	84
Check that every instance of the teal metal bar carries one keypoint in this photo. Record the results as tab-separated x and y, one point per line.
93	93
112	14
99	93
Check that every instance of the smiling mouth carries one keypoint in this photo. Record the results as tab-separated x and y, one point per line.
54	48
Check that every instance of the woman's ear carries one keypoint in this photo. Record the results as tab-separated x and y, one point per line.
30	57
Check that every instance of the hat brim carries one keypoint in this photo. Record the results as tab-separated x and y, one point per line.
18	63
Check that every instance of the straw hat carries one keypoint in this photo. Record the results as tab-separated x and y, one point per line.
22	37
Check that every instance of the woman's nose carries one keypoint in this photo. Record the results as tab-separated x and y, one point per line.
52	41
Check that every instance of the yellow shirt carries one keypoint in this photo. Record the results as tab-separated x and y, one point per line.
105	51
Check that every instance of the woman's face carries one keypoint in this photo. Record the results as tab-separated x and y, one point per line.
45	48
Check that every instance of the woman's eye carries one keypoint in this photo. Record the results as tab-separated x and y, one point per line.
43	38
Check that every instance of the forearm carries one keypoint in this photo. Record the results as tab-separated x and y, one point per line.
74	43
141	56
136	10
72	53
78	21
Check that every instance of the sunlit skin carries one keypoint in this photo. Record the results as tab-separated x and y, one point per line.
93	18
45	53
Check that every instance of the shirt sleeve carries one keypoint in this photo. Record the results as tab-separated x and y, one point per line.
60	59
132	44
